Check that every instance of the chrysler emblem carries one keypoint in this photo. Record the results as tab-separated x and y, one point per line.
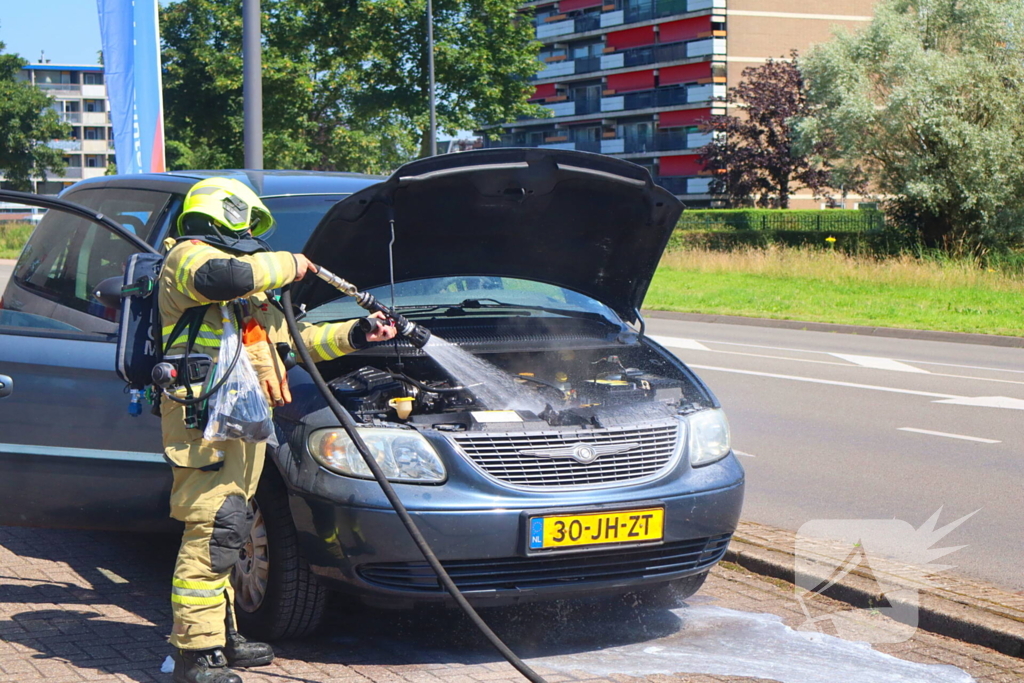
583	453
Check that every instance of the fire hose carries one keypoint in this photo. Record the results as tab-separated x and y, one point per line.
419	336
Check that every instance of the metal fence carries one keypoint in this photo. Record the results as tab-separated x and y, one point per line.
834	220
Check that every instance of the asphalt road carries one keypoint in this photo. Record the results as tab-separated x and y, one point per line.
838	426
6	266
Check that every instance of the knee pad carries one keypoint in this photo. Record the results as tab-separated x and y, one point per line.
231	528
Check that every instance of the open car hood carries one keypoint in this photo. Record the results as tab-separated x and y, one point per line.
586	222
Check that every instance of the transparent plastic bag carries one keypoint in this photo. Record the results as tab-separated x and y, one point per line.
238	410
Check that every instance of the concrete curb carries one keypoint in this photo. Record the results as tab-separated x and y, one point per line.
892	332
960	608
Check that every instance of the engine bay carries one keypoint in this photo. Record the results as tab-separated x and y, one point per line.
455	391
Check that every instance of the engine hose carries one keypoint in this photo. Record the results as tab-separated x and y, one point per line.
389	492
423	387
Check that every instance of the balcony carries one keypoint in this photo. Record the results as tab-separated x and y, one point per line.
658	142
61	89
94	118
65	145
662	97
637	56
631	13
94	92
96	146
684	186
70	117
589	105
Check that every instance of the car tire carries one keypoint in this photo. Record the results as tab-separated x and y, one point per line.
277	596
667	594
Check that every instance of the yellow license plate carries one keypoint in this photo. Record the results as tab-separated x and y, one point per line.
597	528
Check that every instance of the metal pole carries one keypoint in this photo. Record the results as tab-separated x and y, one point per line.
252	84
430	69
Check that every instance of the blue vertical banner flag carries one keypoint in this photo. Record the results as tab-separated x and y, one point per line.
131	64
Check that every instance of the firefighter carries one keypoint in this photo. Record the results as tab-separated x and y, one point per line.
216	259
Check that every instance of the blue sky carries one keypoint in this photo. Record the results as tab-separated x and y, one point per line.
67	30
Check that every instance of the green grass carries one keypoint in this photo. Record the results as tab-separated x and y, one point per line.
817	286
12	238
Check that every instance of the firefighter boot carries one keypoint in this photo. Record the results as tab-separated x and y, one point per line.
202	666
243	654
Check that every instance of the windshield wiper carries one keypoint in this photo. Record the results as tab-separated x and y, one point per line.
482	304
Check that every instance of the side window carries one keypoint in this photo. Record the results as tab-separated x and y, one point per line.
66	257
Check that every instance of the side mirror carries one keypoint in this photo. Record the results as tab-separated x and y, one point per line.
108	292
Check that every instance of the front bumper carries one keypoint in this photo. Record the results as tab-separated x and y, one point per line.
366	552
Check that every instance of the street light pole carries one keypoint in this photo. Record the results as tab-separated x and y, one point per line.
430	70
252	84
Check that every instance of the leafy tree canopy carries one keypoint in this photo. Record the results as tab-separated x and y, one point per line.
753	155
27	122
344	81
928	100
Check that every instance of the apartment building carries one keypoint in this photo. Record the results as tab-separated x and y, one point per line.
634	78
80	98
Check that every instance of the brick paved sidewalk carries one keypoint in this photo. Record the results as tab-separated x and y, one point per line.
86	606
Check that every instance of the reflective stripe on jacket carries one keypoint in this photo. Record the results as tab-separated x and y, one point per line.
196	273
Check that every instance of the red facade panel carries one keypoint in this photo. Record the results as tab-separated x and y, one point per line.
684	29
542	91
685	73
630	37
685	165
570	5
637	80
686	117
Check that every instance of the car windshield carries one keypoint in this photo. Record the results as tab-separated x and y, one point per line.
296	217
472	295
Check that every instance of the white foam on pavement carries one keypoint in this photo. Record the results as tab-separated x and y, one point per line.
724	642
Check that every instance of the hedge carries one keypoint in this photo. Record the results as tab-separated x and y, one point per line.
877	243
796	220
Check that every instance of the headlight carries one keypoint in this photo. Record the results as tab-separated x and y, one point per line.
709	437
403	454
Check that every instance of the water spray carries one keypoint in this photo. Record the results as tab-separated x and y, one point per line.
417	334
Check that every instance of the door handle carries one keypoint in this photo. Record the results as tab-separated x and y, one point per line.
6	386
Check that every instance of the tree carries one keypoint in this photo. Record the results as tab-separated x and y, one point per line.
27	122
345	84
928	100
754	156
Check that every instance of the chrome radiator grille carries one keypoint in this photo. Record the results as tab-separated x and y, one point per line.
591	457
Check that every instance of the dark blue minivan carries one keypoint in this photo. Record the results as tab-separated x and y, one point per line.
602	465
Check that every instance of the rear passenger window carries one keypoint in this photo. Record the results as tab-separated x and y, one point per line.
66	257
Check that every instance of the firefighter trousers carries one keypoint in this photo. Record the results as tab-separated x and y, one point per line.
213	484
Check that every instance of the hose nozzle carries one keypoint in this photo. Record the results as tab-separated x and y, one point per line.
417	334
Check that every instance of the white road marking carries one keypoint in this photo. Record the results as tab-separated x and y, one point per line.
679	342
879	363
950	399
667	341
746	455
902	360
987	402
815	380
950	436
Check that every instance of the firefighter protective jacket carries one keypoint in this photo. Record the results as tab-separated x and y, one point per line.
196	273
